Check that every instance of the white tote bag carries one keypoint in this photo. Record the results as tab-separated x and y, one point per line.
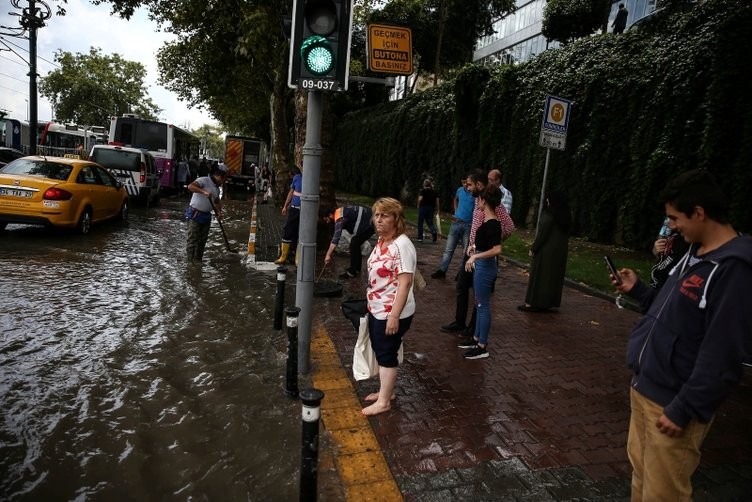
365	365
364	359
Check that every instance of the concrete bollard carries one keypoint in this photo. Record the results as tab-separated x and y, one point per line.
279	300
291	383
311	399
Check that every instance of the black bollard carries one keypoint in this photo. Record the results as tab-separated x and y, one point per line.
291	385
310	450
279	301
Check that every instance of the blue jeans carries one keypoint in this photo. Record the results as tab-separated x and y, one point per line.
484	276
425	213
458	231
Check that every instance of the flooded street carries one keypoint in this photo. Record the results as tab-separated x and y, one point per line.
128	373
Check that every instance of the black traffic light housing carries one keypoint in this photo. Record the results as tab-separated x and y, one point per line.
320	45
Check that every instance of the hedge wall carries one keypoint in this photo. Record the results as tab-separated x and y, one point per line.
658	100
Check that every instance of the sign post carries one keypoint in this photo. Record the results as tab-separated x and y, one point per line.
553	135
390	49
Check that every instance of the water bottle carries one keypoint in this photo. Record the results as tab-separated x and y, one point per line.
665	231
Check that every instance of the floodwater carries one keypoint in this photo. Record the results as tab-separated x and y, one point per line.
128	373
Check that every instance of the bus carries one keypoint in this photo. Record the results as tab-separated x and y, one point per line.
60	139
166	142
53	138
14	134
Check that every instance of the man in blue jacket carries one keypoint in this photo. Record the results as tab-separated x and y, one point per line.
687	352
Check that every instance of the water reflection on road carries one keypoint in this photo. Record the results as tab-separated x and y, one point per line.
126	372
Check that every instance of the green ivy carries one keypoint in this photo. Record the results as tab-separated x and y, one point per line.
662	98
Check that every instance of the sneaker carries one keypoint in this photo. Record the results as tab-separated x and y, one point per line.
347	275
477	352
467	343
452	326
439	274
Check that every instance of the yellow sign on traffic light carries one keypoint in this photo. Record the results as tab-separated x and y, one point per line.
390	49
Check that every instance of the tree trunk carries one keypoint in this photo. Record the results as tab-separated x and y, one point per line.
440	40
280	138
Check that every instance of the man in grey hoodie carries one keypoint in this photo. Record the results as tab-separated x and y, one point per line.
687	352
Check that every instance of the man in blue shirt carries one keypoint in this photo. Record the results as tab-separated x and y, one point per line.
459	231
291	209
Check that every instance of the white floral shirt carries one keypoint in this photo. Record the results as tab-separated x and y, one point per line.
384	265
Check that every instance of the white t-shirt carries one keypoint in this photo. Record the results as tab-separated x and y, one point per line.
383	268
200	201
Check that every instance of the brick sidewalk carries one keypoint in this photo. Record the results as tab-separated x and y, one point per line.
544	418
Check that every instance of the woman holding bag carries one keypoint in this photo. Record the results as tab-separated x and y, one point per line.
391	304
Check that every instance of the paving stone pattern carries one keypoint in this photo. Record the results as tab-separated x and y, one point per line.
545	417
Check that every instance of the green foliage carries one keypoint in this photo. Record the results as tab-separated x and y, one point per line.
568	20
447	27
212	137
647	105
89	88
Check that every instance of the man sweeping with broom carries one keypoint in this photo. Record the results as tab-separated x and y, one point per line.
205	190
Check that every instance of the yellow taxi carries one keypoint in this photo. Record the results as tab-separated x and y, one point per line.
60	192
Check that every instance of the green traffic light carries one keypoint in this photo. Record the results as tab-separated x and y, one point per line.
317	54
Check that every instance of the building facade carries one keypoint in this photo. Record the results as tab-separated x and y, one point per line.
518	37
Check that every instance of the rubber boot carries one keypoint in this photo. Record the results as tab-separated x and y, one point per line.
285	250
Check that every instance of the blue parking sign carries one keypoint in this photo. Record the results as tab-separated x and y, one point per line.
556	116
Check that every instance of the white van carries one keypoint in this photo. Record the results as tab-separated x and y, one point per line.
133	167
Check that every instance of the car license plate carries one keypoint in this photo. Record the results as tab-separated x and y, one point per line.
15	193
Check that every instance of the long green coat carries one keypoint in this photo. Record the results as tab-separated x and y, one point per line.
549	264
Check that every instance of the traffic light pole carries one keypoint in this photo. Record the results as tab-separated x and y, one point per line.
309	208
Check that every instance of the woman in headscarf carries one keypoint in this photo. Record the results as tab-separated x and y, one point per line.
549	252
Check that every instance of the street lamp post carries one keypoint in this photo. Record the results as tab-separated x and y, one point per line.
32	18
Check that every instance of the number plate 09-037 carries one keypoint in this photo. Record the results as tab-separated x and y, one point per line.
15	193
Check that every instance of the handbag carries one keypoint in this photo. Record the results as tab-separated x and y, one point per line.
354	309
365	365
419	283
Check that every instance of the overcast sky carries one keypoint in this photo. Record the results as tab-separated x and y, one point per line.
86	25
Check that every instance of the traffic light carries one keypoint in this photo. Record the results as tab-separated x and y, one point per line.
320	45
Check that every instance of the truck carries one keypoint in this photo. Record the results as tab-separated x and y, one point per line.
241	153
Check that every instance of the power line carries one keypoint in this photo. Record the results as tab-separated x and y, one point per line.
25	49
24	64
13	90
14	78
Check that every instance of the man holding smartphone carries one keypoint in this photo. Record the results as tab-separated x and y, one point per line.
687	352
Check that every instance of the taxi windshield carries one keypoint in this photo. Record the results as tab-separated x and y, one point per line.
38	167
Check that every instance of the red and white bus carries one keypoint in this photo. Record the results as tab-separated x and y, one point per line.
166	142
60	139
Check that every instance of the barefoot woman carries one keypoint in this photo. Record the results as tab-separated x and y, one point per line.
390	296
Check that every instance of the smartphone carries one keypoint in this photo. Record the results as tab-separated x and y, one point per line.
612	269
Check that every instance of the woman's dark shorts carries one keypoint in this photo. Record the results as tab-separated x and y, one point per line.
386	347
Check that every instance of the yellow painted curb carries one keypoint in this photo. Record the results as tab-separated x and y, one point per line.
251	258
361	465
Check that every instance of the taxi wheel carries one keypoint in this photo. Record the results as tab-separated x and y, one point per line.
124	212
84	223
